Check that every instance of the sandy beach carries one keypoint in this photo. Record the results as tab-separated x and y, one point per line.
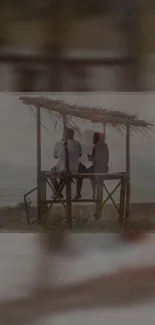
142	216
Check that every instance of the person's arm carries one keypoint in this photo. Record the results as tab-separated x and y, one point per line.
92	156
107	156
55	153
80	150
93	152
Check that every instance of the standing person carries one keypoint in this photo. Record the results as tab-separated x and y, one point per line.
74	153
99	158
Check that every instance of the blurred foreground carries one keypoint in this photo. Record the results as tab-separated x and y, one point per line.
57	45
82	278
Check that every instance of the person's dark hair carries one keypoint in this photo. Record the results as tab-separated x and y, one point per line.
68	133
96	137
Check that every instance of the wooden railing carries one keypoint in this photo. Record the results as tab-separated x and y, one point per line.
46	204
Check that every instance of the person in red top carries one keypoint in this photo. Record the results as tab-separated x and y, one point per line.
99	158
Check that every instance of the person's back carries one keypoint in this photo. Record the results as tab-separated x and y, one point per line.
101	157
74	151
100	154
87	146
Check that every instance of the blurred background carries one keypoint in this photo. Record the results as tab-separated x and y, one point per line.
76	45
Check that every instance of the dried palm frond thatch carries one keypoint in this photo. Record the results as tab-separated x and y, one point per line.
57	108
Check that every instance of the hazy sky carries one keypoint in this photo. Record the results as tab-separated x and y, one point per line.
18	135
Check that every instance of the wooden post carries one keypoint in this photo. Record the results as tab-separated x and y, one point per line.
44	206
38	112
68	184
99	190
122	200
127	171
102	181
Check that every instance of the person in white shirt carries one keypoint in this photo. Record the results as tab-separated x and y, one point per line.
87	149
74	153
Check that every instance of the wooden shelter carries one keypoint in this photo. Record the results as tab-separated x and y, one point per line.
64	111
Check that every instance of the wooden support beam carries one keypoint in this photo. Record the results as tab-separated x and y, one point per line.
122	201
73	201
105	176
38	113
101	190
127	171
44	195
68	182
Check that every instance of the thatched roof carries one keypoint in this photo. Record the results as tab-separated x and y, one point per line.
57	108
